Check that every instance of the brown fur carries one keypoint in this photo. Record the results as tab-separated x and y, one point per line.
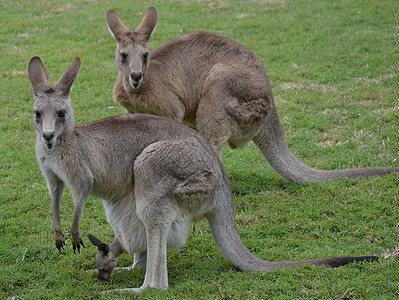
215	85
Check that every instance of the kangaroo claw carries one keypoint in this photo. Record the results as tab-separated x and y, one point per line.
60	245
77	246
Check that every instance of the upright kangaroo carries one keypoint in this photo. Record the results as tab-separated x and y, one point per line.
214	84
154	175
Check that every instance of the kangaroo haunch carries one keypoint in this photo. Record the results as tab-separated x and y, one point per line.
215	85
154	175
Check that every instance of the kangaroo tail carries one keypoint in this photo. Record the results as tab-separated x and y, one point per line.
224	231
271	142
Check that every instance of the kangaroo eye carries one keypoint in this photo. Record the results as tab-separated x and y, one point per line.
146	55
37	114
61	113
123	56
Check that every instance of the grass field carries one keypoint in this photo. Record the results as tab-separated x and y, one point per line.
334	70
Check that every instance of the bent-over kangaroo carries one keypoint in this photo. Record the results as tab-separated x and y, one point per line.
214	84
154	175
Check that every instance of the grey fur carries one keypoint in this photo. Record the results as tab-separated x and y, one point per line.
154	175
215	85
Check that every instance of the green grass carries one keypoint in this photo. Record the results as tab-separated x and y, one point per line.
334	70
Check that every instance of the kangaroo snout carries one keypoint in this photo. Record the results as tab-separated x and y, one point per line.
136	78
102	275
48	138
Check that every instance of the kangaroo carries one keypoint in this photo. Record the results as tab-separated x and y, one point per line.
215	85
155	176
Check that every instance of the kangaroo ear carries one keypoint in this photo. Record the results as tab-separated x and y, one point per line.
148	24
116	26
37	75
95	241
68	78
102	247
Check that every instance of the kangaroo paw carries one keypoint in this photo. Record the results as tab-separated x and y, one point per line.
59	240
76	245
60	245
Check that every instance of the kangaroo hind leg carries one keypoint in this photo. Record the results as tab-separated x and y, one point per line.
156	209
170	191
231	109
139	262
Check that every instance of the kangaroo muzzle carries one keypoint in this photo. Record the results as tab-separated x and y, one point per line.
103	275
135	79
48	138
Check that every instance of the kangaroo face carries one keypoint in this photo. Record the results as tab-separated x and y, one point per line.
105	259
133	59
132	51
105	265
52	120
52	114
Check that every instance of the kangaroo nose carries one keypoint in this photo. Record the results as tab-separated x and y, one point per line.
136	76
48	136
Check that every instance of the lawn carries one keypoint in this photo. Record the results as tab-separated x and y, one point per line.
334	70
